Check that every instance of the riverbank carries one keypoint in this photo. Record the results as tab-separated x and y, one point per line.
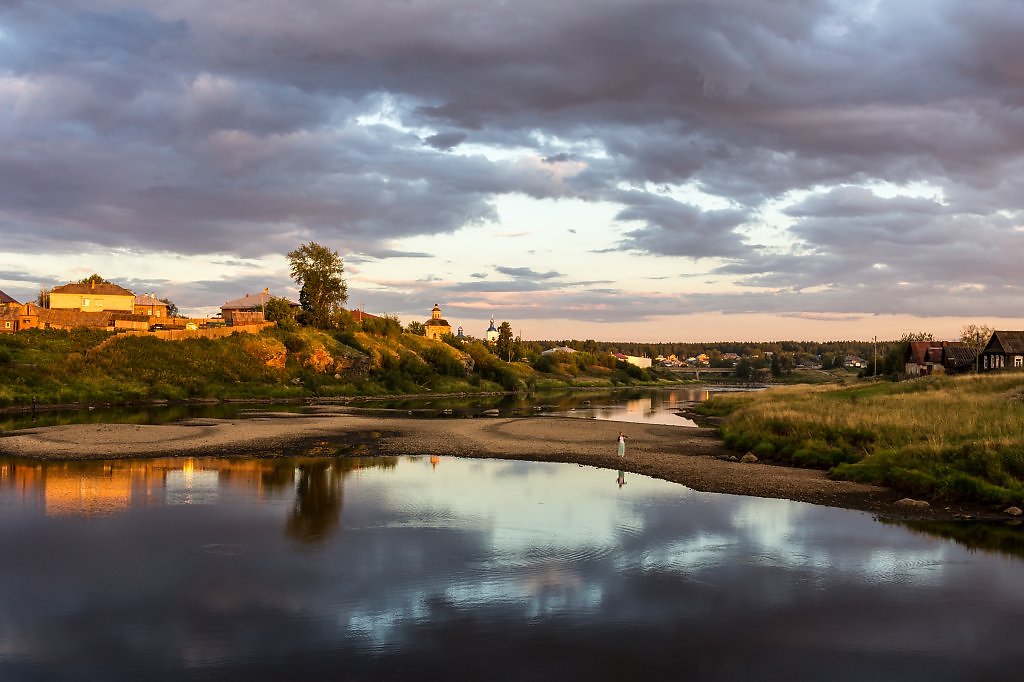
694	457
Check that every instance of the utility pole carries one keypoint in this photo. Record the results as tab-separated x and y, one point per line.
874	355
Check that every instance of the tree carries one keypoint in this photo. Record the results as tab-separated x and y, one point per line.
172	310
278	310
43	299
414	327
974	337
504	345
94	279
319	273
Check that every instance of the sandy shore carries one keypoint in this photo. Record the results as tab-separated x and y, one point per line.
690	456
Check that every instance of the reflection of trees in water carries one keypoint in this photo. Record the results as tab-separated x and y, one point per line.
320	493
318	502
993	536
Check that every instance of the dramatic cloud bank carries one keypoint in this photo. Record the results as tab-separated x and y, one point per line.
588	161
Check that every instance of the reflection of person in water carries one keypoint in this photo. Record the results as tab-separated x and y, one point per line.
621	480
622	444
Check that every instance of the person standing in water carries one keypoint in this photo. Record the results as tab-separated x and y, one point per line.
622	444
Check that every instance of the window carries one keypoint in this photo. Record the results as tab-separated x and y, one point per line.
1018	360
986	362
7	324
86	302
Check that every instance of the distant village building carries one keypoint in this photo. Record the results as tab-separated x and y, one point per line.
492	333
436	327
1005	349
641	362
92	298
936	357
149	304
16	316
249	309
558	349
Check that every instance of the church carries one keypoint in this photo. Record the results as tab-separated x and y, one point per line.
436	327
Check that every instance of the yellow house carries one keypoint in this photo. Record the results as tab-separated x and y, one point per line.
92	298
436	327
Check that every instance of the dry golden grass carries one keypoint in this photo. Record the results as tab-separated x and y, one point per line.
948	437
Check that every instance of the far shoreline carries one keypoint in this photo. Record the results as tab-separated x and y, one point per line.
692	456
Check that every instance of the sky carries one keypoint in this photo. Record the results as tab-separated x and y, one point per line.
633	170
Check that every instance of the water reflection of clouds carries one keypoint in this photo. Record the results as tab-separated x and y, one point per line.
443	559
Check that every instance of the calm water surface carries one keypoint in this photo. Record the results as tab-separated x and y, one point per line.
424	568
658	406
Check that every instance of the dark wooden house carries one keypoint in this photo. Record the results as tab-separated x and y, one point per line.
937	357
1004	350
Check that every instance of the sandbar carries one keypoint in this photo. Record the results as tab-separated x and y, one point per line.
694	457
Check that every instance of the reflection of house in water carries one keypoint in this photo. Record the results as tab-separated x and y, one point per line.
191	485
106	487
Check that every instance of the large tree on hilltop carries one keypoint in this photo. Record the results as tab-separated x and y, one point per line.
319	273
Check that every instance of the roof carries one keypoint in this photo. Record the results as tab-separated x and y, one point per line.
148	299
959	356
1007	341
106	289
492	328
361	315
924	352
4	298
250	301
436	322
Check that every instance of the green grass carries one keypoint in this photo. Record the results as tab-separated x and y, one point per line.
68	367
945	438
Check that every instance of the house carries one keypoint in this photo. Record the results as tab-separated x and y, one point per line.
937	357
359	315
93	297
6	300
854	361
558	349
149	304
1004	349
641	362
436	327
249	309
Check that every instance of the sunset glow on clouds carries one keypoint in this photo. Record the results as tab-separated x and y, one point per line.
648	170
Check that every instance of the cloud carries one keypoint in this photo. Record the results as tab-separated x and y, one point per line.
446	141
244	128
527	273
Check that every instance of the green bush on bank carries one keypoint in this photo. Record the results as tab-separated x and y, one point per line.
945	438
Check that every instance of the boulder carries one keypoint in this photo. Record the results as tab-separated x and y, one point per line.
748	458
911	503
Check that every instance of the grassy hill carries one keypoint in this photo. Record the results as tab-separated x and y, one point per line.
83	366
944	438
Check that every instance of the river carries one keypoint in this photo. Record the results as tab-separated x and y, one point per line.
423	568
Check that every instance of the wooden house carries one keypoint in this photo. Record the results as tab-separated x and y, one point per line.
249	309
18	317
937	357
1005	349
